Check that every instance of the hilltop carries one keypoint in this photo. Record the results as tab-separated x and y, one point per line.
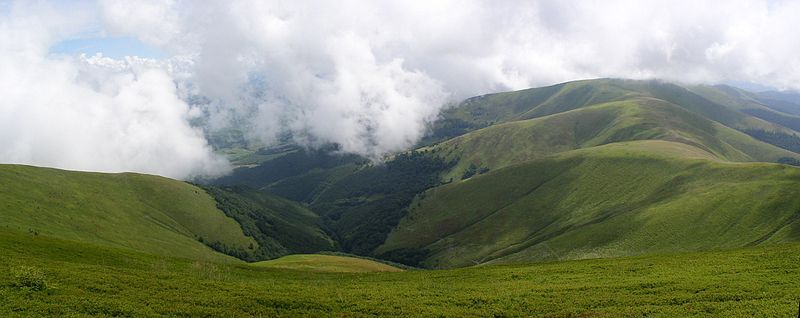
610	125
151	214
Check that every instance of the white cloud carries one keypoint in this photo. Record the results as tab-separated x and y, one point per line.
152	21
317	74
91	113
370	75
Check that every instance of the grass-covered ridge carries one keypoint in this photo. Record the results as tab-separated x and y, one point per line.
515	142
361	203
607	201
107	281
141	212
725	105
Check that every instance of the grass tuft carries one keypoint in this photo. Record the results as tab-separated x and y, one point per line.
29	278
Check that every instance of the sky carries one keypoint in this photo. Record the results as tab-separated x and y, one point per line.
113	47
114	85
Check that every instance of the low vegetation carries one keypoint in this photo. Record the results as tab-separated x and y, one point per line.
145	213
106	281
279	226
615	200
327	263
28	278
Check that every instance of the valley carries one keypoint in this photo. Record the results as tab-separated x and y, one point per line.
617	197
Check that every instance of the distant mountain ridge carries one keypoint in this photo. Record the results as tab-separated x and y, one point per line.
565	125
594	168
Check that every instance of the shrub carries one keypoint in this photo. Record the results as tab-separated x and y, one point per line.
31	278
789	161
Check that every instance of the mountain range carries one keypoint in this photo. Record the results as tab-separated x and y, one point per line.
586	169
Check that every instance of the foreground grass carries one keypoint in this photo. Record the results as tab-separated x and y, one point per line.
85	280
327	263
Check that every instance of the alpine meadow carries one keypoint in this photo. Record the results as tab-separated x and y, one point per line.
399	159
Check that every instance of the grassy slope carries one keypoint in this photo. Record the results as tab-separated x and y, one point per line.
327	263
533	211
709	102
785	102
534	124
614	200
119	282
749	103
280	226
141	212
635	119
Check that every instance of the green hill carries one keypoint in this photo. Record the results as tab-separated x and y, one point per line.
156	215
728	106
635	119
327	263
141	212
786	102
361	203
613	200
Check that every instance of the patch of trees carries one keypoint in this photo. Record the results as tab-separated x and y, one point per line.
304	188
278	233
785	121
785	141
360	203
789	161
473	170
408	256
295	163
447	128
362	208
239	253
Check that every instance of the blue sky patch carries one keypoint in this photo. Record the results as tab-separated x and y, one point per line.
114	47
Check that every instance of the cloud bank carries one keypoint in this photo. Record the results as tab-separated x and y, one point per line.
367	75
91	113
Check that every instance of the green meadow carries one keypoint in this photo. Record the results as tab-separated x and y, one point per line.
86	280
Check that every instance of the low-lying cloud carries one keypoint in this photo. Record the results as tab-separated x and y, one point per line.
91	113
369	76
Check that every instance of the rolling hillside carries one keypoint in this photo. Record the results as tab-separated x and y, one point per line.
725	105
604	168
786	102
632	198
614	200
636	119
536	132
155	215
140	212
280	226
